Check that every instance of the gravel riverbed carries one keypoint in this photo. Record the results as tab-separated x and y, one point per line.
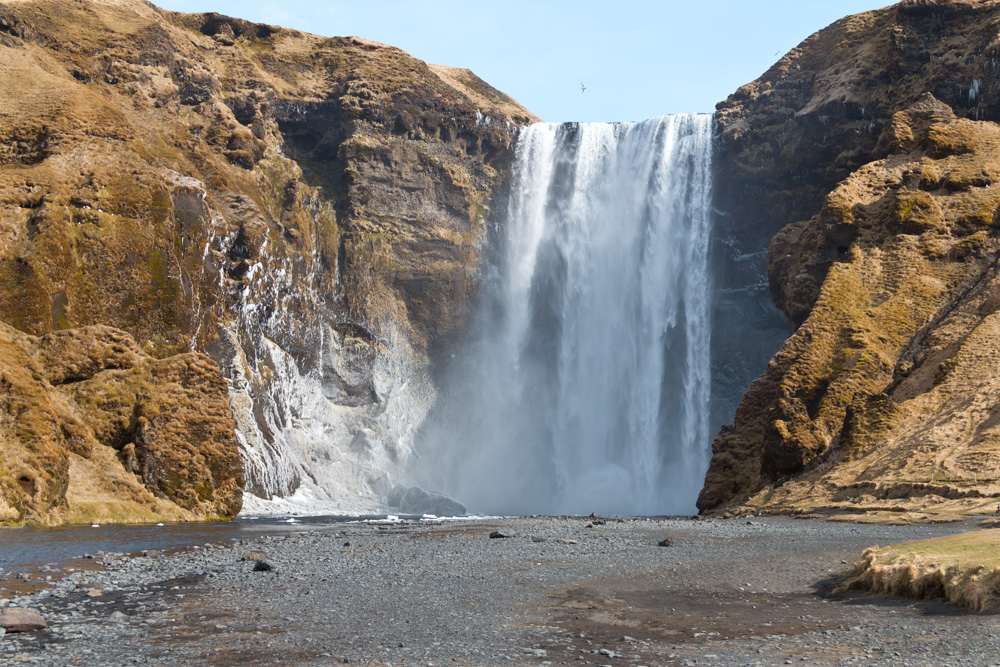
554	591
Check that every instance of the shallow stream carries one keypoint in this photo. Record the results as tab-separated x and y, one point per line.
28	548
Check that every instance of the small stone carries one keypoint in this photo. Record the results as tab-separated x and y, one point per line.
262	566
497	535
666	542
117	616
16	619
94	592
537	539
151	553
253	556
565	541
626	638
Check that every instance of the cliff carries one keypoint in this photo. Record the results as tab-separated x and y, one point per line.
305	211
93	429
868	158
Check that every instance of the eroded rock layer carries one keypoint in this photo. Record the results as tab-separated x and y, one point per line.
885	395
296	207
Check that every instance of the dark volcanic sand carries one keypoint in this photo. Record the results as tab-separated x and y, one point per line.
728	593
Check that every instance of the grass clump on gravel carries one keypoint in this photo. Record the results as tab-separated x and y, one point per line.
963	568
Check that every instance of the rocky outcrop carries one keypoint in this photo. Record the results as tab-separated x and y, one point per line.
301	209
868	155
93	429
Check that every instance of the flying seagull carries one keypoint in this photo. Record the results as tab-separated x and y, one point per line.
583	89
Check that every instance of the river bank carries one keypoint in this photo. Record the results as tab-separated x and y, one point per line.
555	590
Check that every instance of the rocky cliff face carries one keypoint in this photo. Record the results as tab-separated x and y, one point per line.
93	429
868	153
305	211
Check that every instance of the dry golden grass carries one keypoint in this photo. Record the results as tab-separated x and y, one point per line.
101	491
964	569
92	429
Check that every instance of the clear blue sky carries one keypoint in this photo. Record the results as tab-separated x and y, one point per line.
638	59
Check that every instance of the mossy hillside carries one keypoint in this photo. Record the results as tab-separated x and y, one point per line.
174	95
822	110
34	468
882	399
151	438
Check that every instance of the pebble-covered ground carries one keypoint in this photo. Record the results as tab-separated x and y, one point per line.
554	591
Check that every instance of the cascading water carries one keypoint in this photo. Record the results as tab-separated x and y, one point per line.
587	385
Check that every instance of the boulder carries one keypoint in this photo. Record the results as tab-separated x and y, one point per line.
16	619
414	500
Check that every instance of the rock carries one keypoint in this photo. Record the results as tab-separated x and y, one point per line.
497	535
262	566
666	542
566	541
17	619
253	555
151	553
95	592
414	500
535	538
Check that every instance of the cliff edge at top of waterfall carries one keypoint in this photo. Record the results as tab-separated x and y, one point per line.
190	178
869	154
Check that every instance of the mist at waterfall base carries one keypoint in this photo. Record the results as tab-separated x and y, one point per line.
585	383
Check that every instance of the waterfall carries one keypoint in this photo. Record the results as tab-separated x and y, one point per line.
586	385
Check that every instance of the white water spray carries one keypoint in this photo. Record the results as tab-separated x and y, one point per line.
587	388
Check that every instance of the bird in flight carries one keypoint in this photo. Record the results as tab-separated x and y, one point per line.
583	89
